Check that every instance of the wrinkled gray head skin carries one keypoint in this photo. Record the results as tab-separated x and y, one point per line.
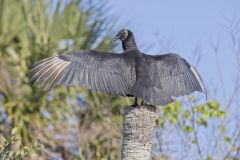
122	35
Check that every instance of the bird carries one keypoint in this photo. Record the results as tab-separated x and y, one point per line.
155	79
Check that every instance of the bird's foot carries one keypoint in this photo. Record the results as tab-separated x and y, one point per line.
134	105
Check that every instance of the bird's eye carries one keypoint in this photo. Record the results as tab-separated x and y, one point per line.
124	35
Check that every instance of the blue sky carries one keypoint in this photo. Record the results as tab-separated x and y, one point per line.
182	26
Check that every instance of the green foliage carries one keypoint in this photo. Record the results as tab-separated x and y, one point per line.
187	118
187	128
191	119
171	111
10	150
209	158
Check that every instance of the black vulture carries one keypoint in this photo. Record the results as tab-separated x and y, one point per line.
154	79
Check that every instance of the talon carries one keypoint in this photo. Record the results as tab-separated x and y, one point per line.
135	103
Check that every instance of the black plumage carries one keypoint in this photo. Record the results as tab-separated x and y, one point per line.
154	79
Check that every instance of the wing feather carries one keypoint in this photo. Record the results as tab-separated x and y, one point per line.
45	71
100	71
57	77
175	75
53	74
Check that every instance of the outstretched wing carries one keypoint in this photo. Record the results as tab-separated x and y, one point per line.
100	71
175	75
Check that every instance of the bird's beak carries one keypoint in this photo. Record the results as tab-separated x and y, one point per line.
116	38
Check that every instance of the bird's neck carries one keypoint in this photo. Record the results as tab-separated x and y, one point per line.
129	43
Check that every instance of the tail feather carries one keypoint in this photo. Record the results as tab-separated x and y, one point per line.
150	94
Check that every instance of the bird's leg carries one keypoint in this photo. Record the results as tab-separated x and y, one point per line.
135	102
142	103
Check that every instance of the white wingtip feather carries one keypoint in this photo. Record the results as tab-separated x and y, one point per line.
194	71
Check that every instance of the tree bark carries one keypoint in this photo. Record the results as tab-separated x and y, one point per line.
138	126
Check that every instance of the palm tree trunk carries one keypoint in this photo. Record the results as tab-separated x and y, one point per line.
138	128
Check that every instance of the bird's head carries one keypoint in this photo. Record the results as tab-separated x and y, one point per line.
122	35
